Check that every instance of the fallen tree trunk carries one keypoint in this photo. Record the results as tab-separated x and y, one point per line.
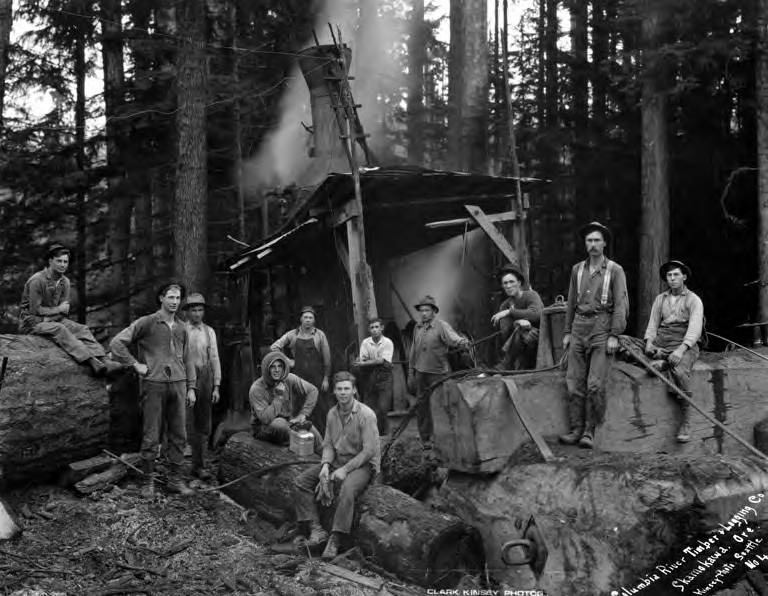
52	410
107	478
400	533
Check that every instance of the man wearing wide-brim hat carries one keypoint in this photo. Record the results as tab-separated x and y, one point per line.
674	329
204	352
428	358
595	316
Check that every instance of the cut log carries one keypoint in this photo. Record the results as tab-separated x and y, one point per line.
406	466
10	526
52	410
77	470
400	533
112	475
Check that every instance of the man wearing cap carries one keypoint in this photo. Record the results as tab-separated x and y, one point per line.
167	378
205	358
674	329
44	310
428	359
280	399
310	359
595	316
518	318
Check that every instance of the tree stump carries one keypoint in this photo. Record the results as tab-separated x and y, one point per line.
406	467
400	533
52	410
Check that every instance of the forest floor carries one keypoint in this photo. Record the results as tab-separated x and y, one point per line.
118	542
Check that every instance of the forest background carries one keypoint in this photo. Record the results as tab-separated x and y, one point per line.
648	115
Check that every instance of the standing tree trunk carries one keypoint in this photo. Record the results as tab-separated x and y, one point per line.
190	242
6	22
654	207
468	85
551	31
761	75
600	49
579	107
80	206
120	201
417	60
541	21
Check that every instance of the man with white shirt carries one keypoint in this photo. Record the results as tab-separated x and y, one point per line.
674	329
375	364
205	356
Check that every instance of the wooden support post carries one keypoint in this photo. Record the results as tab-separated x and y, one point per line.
493	233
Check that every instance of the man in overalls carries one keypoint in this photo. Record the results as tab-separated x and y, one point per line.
674	329
595	316
205	356
310	359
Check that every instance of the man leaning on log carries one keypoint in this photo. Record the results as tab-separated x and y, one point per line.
674	329
168	380
351	458
596	315
44	310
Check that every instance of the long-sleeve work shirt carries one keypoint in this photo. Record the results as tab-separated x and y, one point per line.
41	295
431	342
162	347
671	309
586	300
287	340
203	349
527	306
352	440
287	398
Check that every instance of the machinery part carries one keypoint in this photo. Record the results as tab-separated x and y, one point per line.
534	548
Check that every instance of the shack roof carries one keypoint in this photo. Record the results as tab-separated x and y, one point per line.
397	203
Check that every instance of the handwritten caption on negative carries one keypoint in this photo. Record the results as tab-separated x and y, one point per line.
704	567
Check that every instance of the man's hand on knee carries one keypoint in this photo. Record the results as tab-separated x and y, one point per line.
339	474
612	344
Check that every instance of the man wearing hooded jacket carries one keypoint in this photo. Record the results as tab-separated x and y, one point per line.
279	399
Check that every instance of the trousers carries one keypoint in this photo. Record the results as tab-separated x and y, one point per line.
351	487
164	402
198	417
378	393
422	380
75	339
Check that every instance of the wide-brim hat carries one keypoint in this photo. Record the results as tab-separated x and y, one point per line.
308	309
427	301
54	248
595	226
194	299
666	267
510	268
164	288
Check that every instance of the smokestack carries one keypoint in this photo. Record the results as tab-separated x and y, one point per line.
318	63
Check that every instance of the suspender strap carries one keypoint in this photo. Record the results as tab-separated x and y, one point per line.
579	275
606	280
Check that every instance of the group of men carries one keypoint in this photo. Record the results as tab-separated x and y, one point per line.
179	369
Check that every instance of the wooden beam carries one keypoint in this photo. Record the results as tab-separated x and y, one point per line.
437	200
348	211
341	251
506	216
493	233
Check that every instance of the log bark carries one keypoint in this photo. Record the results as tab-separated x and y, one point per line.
400	533
106	478
405	466
761	75
52	410
6	23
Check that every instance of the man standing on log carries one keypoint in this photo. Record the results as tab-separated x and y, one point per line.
168	379
518	317
674	329
351	456
280	399
375	363
595	316
428	359
44	310
205	357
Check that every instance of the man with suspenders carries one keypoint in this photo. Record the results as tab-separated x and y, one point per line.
596	315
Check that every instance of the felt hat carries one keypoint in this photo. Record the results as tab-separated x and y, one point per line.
510	268
194	299
55	248
666	267
308	309
595	226
427	301
164	288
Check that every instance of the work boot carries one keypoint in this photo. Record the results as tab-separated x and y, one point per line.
332	548
176	484
684	431
587	439
97	366
202	473
575	421
317	535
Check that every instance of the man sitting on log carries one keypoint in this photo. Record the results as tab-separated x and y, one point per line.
279	400
518	317
351	456
44	310
674	329
167	373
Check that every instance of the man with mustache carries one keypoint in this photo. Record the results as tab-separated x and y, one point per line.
595	316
